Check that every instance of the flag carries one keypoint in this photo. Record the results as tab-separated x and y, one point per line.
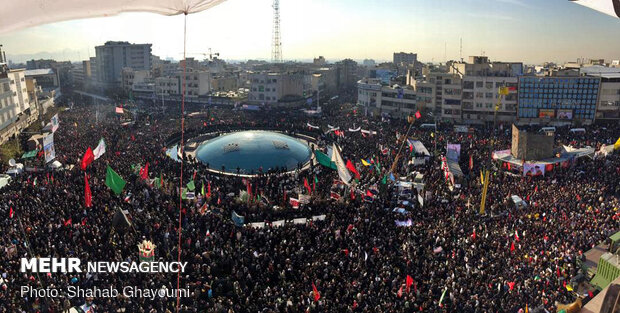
191	186
617	144
352	168
343	173
334	195
67	222
443	294
88	199
114	181
144	172
209	190
202	190
294	203
307	185
352	194
409	282
400	291
119	110
11	213
473	235
471	162
410	145
88	158
526	309
418	115
516	235
512	246
316	293
365	163
324	160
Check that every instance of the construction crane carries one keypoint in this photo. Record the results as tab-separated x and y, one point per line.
210	54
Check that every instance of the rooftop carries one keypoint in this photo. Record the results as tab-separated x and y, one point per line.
38	72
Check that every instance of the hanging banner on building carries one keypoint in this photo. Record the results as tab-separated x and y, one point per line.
546	113
48	147
453	151
55	123
533	169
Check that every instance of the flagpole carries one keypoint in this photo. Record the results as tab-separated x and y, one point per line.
401	148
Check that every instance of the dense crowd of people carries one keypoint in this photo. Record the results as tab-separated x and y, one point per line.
357	257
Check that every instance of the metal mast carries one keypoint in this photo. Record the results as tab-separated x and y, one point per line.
276	46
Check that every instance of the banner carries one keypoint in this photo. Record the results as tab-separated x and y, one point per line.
238	220
324	160
355	130
119	110
54	122
343	173
312	126
48	147
533	169
369	132
453	151
565	114
500	154
100	149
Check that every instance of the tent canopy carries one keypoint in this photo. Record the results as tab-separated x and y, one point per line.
16	15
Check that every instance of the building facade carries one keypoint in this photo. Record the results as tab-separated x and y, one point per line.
270	88
558	100
113	56
376	98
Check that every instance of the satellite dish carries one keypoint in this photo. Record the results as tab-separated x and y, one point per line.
12	162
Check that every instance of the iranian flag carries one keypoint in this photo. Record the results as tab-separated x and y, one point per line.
294	203
100	149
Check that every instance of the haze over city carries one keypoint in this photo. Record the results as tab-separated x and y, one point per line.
508	30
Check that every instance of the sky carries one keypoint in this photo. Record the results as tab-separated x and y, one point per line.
530	31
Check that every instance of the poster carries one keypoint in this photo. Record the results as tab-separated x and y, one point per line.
533	169
546	113
453	151
565	114
48	147
54	122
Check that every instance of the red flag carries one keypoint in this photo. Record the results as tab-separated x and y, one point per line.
194	176
409	282
473	235
400	291
88	158
346	252
316	293
209	190
352	195
418	115
144	172
471	162
249	187
67	222
512	246
511	285
294	203
11	213
88	199
354	304
352	168
83	221
284	192
578	198
133	138
307	185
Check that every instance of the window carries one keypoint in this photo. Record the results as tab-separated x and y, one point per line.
488	95
479	84
489	85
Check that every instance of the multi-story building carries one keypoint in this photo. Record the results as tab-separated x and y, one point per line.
113	56
15	108
558	100
198	83
129	76
377	98
481	83
46	77
320	61
438	92
608	103
224	83
403	58
347	73
167	86
270	88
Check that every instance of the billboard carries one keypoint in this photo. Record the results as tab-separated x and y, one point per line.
546	113
48	147
565	114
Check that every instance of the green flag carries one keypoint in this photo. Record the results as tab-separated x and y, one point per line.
203	189
384	180
324	160
184	193
443	295
191	186
156	182
316	180
114	181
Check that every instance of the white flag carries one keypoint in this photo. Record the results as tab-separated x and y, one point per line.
100	150
344	174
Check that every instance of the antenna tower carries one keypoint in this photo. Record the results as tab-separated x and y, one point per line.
276	46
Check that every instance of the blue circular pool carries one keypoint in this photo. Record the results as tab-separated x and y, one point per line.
253	150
